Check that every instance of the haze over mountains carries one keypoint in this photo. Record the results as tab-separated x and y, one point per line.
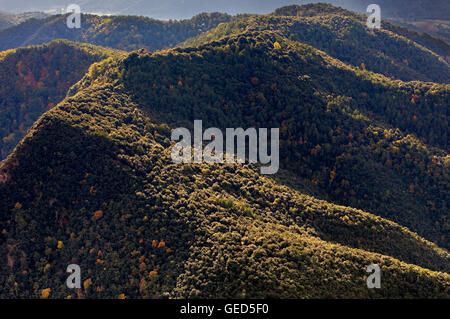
9	20
363	118
185	9
120	32
430	16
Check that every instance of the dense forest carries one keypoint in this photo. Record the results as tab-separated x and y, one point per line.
391	51
35	79
414	28
430	16
109	198
364	173
119	32
364	139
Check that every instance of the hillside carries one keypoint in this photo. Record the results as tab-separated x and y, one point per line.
393	51
363	139
115	32
108	197
413	31
35	79
119	32
438	28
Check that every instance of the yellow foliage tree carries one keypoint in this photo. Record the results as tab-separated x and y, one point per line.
47	267
87	283
45	293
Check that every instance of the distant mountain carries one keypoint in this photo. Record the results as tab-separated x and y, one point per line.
184	9
5	21
35	79
93	182
9	20
438	28
392	51
120	32
320	26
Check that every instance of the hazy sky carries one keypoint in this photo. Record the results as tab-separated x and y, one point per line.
182	9
162	9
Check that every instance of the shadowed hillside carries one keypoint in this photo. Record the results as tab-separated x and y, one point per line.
109	198
364	168
35	79
119	32
392	51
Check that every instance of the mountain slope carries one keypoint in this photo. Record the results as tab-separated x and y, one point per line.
434	44
236	227
120	32
403	53
108	197
35	79
391	51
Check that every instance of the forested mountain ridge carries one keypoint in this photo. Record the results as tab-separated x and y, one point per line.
430	16
34	79
128	201
93	182
392	62
109	198
392	51
119	32
435	44
357	137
